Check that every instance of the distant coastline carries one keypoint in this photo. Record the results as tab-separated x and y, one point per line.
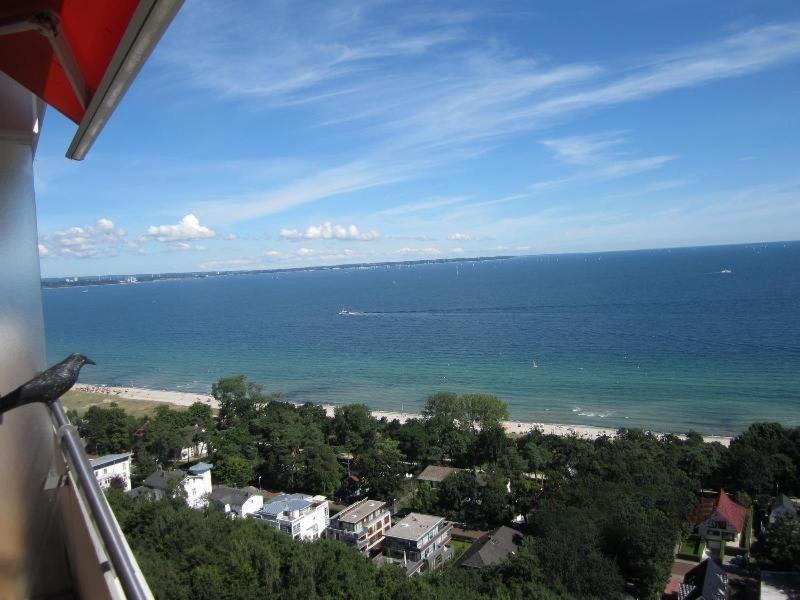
135	278
512	427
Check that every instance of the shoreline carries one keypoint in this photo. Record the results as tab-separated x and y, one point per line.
590	432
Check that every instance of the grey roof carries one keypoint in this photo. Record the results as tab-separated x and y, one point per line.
164	480
108	459
413	527
286	503
200	468
228	495
783	501
491	549
707	581
355	512
436	473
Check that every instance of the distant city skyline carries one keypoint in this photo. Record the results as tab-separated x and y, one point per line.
367	132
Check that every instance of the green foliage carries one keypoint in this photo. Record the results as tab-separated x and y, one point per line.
353	427
238	398
107	430
382	469
763	457
779	545
605	514
234	471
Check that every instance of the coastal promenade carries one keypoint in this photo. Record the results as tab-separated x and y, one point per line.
511	427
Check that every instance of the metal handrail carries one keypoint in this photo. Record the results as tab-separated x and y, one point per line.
121	559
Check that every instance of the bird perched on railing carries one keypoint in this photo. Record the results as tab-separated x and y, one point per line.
48	385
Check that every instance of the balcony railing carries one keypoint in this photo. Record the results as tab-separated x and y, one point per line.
116	547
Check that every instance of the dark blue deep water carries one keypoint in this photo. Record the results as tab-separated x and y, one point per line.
662	339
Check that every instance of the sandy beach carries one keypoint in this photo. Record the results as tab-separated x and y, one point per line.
511	427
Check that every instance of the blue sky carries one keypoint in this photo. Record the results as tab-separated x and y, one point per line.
278	134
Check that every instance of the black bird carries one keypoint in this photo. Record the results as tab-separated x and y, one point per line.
48	385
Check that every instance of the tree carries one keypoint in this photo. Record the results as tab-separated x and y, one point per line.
239	399
353	427
779	545
484	411
235	471
383	470
322	473
107	430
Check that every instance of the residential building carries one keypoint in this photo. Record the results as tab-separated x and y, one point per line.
436	474
196	484
236	502
706	581
719	520
301	516
493	548
112	466
361	525
194	451
782	506
418	543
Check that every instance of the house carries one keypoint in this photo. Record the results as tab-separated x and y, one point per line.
719	520
112	466
706	581
782	506
361	525
196	483
436	474
236	502
418	543
298	515
193	451
492	548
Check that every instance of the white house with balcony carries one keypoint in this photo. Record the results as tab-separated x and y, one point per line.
298	515
110	467
195	483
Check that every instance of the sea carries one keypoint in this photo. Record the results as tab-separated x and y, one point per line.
704	339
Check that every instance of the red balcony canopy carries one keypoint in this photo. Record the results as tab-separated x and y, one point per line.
80	56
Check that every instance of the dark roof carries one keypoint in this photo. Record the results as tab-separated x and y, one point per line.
436	473
164	480
491	549
783	501
707	581
200	468
109	459
140	492
228	495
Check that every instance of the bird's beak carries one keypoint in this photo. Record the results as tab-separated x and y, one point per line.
89	361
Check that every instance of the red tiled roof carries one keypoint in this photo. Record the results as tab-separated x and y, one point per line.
733	513
727	509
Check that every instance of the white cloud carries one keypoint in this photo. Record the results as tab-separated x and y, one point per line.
102	239
422	206
457	251
602	155
459	237
187	229
453	94
427	251
329	231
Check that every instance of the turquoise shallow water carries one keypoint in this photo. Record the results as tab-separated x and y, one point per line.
662	339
